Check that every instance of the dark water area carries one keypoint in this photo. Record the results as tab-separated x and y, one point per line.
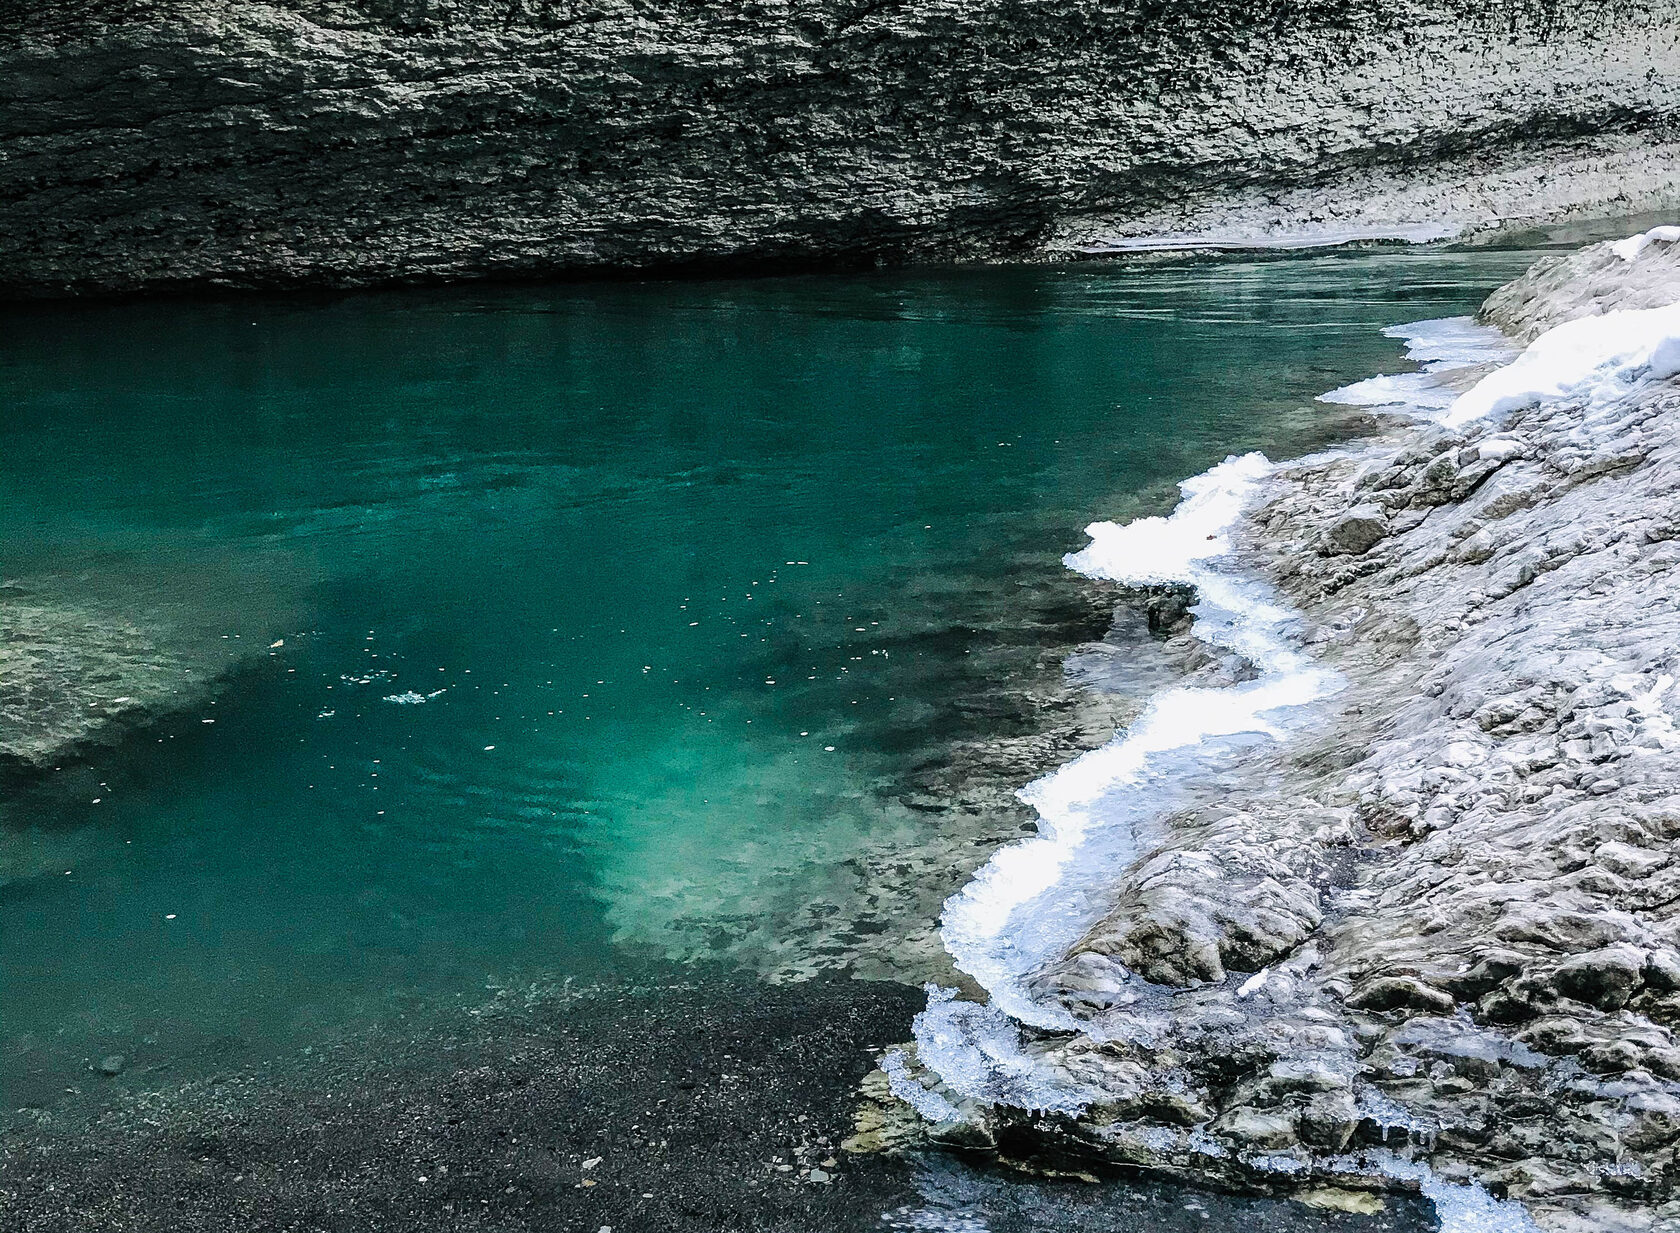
582	632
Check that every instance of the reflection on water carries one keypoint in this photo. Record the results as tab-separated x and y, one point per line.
607	618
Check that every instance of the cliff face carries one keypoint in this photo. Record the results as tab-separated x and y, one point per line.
177	142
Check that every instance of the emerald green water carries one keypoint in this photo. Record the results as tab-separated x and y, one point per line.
685	576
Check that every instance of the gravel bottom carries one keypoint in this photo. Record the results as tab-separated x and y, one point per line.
707	1105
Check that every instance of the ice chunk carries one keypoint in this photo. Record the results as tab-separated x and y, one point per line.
1461	1207
977	1052
1442	345
1254	983
1420	390
1163	550
930	1104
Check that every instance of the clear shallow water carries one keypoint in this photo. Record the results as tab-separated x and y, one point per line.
684	576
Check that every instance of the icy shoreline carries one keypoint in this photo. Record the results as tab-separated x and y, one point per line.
1428	944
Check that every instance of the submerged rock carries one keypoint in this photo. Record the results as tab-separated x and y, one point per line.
73	674
80	667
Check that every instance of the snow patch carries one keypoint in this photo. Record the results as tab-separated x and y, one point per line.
1166	550
1630	248
1591	357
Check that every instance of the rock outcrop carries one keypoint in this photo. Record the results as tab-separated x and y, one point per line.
1444	932
186	143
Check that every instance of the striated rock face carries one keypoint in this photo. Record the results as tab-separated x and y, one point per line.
171	143
1446	931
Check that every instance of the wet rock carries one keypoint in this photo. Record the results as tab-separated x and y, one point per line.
1662	970
1604	978
1401	993
1167	610
1557	1034
112	1064
1491	968
1256	1129
1656	1120
1611	1057
1327	1121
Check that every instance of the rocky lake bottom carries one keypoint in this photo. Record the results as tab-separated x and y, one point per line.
453	737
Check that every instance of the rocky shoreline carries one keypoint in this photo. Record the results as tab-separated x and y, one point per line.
1430	941
150	145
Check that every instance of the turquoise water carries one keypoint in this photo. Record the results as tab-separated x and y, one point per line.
608	617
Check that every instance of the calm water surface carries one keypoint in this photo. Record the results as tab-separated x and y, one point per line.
605	612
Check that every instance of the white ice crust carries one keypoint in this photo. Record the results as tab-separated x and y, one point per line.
1029	902
1594	358
1462	1208
1032	900
1441	345
1630	248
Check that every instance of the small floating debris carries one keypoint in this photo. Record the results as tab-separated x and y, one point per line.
382	675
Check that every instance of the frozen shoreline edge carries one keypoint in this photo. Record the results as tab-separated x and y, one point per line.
1583	285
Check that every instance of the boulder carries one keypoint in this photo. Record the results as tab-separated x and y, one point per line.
1357	531
1605	978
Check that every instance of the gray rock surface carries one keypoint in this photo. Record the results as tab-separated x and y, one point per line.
1358	530
1585	284
178	143
1445	930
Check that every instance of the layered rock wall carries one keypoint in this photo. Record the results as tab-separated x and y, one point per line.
171	143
